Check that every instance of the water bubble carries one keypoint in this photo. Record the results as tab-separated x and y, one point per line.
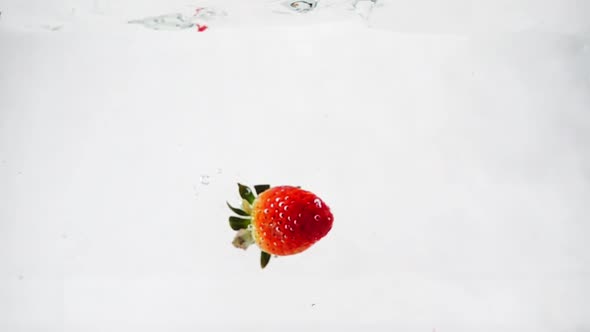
205	179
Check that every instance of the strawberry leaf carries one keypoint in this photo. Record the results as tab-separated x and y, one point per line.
261	188
246	193
264	259
238	223
237	211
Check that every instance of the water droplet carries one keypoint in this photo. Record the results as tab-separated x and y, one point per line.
281	204
278	229
318	202
286	208
266	211
272	205
317	217
295	222
205	179
281	215
277	199
286	197
274	243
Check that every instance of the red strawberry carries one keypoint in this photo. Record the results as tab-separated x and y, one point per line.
282	220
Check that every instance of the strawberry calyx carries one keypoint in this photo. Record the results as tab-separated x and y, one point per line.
242	222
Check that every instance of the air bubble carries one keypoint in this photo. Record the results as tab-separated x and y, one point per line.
205	179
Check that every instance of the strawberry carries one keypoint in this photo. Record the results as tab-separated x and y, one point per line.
281	220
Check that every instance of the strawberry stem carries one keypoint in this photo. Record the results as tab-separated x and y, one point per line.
237	223
246	193
264	259
237	211
261	188
243	238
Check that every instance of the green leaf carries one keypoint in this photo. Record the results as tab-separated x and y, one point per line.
238	223
264	259
237	211
246	193
261	188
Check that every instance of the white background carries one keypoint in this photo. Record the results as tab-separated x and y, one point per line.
450	141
